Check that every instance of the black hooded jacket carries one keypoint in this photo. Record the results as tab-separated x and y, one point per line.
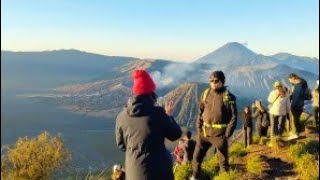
141	129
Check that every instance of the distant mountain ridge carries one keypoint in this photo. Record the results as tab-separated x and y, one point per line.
100	85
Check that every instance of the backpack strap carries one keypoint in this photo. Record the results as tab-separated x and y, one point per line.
205	95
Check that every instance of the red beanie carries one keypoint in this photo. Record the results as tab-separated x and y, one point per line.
142	83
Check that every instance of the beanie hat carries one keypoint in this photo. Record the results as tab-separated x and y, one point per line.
219	75
142	83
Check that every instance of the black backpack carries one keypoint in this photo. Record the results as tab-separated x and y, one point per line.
307	94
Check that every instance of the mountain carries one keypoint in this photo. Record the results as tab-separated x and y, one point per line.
100	85
234	54
299	62
49	69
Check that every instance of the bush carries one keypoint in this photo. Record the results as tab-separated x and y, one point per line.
255	165
231	175
34	158
183	172
307	167
312	147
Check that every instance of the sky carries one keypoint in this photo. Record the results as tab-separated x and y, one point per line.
161	29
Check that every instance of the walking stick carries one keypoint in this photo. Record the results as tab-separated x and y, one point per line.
236	137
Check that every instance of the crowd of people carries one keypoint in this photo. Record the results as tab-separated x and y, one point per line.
142	126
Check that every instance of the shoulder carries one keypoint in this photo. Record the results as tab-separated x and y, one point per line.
122	115
230	95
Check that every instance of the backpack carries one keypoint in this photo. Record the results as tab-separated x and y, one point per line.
227	98
307	93
265	122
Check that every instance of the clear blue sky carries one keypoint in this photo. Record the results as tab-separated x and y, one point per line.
169	29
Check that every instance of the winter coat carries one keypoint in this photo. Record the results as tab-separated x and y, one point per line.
141	129
260	116
219	107
247	119
280	106
297	97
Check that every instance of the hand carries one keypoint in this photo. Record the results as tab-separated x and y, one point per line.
169	107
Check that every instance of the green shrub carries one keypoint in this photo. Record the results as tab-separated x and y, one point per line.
307	167
312	147
210	167
237	150
231	175
34	158
183	172
255	165
297	150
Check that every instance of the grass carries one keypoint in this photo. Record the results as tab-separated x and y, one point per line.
183	172
308	167
210	167
255	139
236	151
231	175
255	165
305	158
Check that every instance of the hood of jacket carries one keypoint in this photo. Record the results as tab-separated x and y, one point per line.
139	105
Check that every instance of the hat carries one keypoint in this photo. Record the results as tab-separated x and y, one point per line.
219	75
142	83
277	84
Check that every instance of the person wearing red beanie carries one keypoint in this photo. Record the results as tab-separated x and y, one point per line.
141	129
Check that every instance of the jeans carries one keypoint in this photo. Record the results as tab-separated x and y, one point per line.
277	125
295	121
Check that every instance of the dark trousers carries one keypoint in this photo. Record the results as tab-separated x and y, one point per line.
277	125
316	115
247	133
295	121
203	145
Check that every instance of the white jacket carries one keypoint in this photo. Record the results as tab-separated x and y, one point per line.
281	106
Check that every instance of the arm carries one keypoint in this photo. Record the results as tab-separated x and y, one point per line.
255	113
199	121
171	129
233	121
119	137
